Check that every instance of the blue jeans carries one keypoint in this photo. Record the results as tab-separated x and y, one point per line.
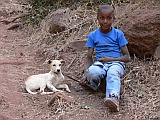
111	71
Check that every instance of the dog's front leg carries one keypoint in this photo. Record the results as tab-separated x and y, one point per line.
65	86
51	87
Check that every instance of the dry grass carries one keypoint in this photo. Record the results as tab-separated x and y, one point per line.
142	83
79	23
142	79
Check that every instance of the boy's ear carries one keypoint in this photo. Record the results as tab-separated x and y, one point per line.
49	61
114	17
62	61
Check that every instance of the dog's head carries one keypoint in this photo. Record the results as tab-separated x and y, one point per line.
55	65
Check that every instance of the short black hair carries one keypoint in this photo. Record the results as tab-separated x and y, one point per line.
109	7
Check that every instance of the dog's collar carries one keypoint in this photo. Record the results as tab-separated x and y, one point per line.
54	73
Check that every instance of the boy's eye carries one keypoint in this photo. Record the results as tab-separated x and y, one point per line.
108	18
101	18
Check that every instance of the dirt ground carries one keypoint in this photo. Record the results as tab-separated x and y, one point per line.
20	59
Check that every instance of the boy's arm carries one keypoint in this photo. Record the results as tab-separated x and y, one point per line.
124	58
89	59
87	63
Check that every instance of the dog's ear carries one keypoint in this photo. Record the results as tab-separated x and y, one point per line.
62	61
49	61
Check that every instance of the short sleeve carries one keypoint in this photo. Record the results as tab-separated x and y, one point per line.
122	39
90	41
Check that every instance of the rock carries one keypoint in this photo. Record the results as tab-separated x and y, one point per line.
57	24
56	27
157	52
142	30
78	45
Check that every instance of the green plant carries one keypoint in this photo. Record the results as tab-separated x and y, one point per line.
40	9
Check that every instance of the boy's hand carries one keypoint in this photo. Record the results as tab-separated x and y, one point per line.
105	59
82	84
83	81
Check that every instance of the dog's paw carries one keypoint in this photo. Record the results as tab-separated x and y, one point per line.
68	90
59	91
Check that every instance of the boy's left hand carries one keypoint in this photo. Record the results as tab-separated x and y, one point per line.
105	59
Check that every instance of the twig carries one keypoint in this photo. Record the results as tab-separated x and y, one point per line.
13	62
15	25
127	75
72	78
71	62
12	19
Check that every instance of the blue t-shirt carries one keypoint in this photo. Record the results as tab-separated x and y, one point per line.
107	44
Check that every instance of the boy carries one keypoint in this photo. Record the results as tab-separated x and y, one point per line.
111	54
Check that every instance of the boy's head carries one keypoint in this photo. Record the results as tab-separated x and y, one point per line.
105	17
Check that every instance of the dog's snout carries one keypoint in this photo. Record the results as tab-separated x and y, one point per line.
58	70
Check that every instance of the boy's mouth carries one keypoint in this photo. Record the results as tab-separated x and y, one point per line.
105	26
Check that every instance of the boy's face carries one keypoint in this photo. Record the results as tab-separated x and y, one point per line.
105	18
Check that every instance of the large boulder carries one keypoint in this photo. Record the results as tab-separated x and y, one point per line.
58	22
142	30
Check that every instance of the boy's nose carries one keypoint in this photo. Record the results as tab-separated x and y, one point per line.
105	20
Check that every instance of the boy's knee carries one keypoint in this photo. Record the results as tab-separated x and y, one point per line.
94	75
95	71
115	72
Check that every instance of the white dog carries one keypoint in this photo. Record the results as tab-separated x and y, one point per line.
51	80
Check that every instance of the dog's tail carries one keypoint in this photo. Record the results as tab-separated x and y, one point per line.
29	91
46	93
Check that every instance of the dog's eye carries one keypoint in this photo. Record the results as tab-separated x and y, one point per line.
59	64
54	65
